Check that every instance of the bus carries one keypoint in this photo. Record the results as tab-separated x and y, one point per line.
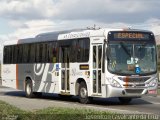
87	63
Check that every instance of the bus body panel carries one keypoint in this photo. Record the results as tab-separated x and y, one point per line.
24	71
77	73
9	75
43	76
49	77
46	78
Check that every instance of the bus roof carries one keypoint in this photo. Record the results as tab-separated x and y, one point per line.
68	34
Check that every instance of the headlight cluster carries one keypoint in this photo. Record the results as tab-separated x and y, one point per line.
114	83
152	83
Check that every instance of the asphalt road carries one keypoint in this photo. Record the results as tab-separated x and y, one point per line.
145	105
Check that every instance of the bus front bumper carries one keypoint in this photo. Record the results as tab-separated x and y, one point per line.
130	92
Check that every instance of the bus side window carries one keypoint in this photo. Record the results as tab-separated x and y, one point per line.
78	51
15	54
51	52
48	53
86	50
83	50
57	52
25	54
43	52
5	54
18	54
37	53
32	53
40	52
54	52
10	54
73	51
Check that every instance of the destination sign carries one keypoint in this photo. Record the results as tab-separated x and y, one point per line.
127	35
130	35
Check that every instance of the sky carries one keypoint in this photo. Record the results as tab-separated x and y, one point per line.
27	18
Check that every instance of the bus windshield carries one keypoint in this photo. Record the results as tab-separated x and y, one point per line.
128	58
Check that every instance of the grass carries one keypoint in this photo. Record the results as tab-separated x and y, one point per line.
9	112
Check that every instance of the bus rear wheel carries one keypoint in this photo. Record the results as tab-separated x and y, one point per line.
29	89
83	94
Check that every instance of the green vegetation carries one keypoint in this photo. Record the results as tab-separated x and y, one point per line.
9	112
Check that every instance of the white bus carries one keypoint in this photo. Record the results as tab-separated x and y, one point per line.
86	63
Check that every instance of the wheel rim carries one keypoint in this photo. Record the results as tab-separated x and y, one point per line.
28	89
83	93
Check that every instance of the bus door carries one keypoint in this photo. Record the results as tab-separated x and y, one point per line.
97	68
65	70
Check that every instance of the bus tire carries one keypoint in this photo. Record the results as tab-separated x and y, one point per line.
83	94
125	100
29	89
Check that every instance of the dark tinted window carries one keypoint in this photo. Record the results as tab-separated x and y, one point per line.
73	51
46	52
5	54
83	50
32	53
78	49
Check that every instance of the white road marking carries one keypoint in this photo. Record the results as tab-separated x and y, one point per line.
155	102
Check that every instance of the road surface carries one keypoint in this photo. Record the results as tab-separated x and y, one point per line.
145	105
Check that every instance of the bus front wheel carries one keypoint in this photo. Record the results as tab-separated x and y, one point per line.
83	94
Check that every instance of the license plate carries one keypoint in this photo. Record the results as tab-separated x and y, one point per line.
152	91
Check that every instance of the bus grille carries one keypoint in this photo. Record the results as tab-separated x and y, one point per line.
139	91
135	82
134	85
136	79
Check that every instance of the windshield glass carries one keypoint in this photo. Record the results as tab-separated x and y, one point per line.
131	58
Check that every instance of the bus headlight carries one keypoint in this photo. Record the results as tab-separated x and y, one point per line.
114	83
153	83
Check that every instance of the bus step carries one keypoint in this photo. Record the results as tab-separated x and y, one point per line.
64	93
96	94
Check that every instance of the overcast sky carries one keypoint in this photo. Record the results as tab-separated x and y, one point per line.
26	18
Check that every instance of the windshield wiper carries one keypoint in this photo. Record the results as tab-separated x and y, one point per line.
125	49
